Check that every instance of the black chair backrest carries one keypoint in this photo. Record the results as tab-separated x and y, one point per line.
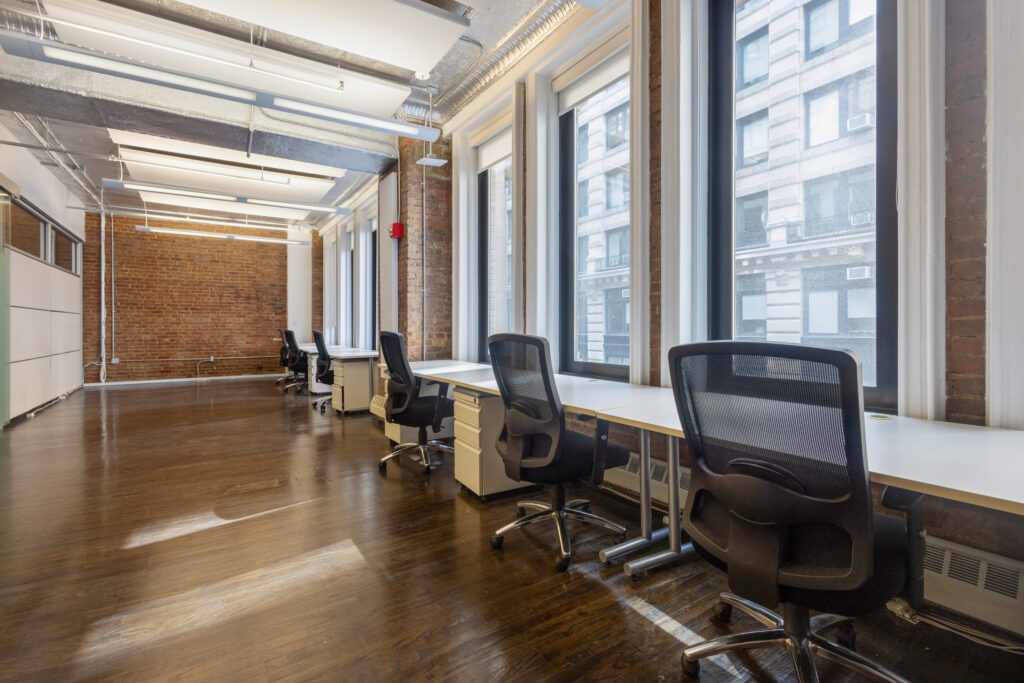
285	353
534	418
323	359
402	385
779	487
296	356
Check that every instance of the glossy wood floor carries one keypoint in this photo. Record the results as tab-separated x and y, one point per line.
225	531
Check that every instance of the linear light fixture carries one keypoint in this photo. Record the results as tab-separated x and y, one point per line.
40	49
221	236
143	73
187	192
167	161
209	221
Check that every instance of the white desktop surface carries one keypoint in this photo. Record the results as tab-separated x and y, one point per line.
341	352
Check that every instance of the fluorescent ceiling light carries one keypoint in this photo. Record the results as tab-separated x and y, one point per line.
409	130
211	168
208	221
187	192
143	187
297	205
144	73
220	235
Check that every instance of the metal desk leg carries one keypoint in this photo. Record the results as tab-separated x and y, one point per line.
647	534
677	550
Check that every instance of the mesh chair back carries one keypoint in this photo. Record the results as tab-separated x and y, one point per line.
324	374
296	357
534	418
402	386
779	489
285	352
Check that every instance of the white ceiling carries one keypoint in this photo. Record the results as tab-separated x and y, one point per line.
406	33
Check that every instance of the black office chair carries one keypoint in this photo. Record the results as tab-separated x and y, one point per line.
405	406
536	446
298	363
324	369
779	498
283	358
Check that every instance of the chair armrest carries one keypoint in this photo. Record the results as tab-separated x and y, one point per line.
910	503
600	452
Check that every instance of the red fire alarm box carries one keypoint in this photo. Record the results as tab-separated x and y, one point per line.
397	230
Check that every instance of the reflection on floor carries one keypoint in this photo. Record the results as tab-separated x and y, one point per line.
227	531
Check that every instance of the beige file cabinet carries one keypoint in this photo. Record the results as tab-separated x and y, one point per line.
354	384
478	466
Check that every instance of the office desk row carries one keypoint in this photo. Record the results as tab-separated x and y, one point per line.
978	465
355	375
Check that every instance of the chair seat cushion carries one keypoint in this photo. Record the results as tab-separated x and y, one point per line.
887	580
420	412
575	461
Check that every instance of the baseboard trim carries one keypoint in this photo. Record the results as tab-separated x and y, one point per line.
178	380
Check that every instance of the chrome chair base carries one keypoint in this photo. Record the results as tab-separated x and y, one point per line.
577	509
301	384
799	634
423	450
322	403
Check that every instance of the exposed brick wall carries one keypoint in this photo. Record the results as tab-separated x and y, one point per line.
317	272
438	251
965	211
183	297
654	55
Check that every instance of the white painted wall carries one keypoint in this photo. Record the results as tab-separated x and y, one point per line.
387	252
39	186
300	288
1005	363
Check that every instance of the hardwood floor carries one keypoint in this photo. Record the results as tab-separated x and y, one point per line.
225	531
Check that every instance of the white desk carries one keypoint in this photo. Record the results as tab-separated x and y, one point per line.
355	372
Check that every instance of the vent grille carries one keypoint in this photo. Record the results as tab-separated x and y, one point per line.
658	471
934	558
1002	580
633	467
964	568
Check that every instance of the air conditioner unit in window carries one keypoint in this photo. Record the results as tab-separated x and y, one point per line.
862	218
860	273
860	122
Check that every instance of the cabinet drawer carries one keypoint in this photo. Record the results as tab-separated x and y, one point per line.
339	371
467	398
467	433
467	413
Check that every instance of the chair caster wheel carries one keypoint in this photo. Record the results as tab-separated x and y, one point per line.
382	466
621	538
722	612
322	410
607	564
520	512
313	407
637	576
426	469
497	542
846	636
484	499
691	668
562	564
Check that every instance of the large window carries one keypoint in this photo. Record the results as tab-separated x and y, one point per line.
495	218
595	262
803	233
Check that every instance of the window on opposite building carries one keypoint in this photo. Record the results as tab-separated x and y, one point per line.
751	221
583	143
616	185
842	108
752	134
582	252
616	248
829	23
616	325
752	59
583	198
616	126
828	274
